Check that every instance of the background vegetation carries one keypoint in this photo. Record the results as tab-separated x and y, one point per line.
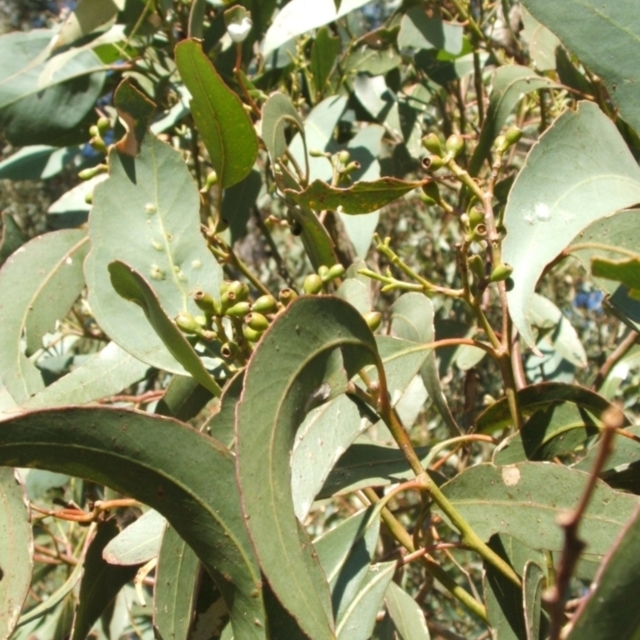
319	319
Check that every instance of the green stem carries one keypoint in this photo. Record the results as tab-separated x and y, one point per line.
401	535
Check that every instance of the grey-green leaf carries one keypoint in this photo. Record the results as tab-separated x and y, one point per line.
273	405
579	171
532	581
408	618
509	85
175	592
101	581
225	127
607	612
133	287
38	285
359	618
154	198
604	37
16	547
159	461
138	543
104	374
524	500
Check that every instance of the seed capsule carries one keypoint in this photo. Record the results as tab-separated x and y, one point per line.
239	310
265	304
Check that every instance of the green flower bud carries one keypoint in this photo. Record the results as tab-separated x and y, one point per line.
501	272
287	295
344	156
103	124
312	284
187	323
240	290
224	286
88	197
513	135
250	334
476	217
87	174
257	321
476	266
432	191
265	304
432	144
373	319
454	144
336	271
239	309
323	270
94	131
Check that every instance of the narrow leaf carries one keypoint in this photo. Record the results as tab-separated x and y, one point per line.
272	407
532	581
224	125
104	374
277	113
177	575
509	85
362	197
101	581
132	286
537	396
625	271
417	31
359	619
16	547
300	16
12	237
408	618
158	461
544	213
38	285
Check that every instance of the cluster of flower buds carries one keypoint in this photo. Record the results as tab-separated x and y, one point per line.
315	282
441	155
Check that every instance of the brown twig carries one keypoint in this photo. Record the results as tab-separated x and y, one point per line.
614	357
613	419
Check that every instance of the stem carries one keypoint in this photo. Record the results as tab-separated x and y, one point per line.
573	546
401	535
469	538
619	352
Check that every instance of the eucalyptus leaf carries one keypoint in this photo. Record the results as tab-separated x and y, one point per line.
299	16
555	196
38	283
270	411
532	582
138	543
359	619
101	581
154	198
417	31
103	374
135	453
37	162
278	113
36	111
602	35
605	612
12	237
509	85
524	500
16	548
407	615
224	125
361	197
177	576
133	287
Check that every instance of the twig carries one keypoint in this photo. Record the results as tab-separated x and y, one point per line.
614	357
613	419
